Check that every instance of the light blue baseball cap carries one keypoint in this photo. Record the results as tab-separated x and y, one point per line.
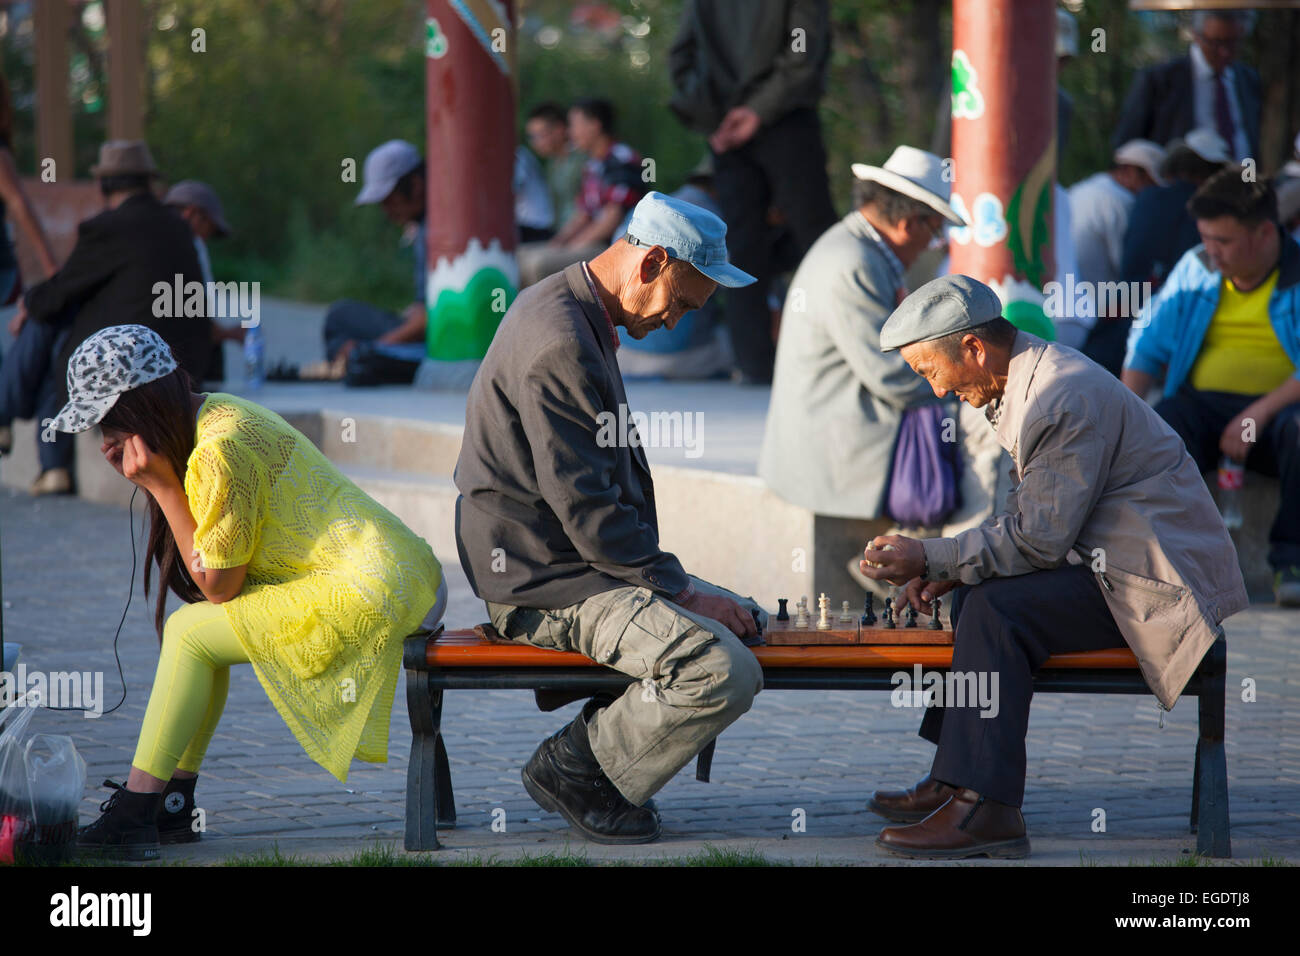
686	232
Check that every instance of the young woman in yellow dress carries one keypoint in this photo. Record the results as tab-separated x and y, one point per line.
282	562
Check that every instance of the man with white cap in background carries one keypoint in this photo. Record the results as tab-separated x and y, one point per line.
557	529
1159	231
1100	207
383	347
838	401
1109	538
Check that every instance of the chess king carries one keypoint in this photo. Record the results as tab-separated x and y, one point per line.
1108	538
558	534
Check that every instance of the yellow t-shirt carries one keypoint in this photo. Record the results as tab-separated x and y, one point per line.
334	582
1241	353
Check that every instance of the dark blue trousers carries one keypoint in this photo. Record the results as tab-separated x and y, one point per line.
29	388
1009	627
1200	418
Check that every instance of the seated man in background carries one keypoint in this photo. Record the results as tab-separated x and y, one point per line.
558	534
611	185
1110	538
1159	232
364	344
199	206
1224	334
109	279
547	131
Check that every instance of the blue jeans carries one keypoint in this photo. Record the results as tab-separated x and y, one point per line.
29	388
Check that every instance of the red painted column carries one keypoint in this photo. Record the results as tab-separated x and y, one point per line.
470	222
1004	150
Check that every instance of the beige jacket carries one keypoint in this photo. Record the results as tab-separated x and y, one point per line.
1102	480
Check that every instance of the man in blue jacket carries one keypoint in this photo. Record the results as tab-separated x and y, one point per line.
1224	333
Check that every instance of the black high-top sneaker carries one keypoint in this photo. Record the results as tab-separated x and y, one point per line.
176	813
127	829
563	775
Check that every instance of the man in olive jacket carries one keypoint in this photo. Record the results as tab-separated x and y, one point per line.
1109	538
557	531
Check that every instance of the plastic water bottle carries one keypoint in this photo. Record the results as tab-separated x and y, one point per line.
254	357
1232	477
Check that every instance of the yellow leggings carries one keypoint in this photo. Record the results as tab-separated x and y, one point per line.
189	690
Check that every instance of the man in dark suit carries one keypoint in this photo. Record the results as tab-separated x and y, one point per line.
557	530
1205	88
109	279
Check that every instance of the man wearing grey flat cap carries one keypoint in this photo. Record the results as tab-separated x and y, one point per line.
1108	538
557	530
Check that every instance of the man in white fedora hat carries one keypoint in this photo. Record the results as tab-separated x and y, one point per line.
837	400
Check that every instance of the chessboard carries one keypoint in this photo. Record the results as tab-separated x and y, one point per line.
872	627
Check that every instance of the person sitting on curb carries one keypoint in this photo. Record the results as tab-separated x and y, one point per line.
281	561
120	256
1224	334
1109	538
198	205
557	530
364	344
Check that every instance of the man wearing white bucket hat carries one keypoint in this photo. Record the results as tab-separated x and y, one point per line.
837	400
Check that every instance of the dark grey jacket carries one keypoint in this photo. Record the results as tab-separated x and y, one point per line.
571	512
730	53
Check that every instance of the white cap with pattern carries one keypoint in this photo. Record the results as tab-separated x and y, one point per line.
112	361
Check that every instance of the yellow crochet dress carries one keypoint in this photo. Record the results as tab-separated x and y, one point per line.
334	583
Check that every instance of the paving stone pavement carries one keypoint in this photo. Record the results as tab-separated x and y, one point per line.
66	564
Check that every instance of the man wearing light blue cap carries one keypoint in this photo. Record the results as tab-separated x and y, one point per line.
558	534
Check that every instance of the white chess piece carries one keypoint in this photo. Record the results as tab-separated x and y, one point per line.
846	616
823	613
886	547
801	613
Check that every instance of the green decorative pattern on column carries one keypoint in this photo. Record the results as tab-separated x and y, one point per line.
462	322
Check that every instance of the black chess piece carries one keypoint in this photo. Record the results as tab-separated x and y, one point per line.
887	615
782	614
935	623
910	616
868	615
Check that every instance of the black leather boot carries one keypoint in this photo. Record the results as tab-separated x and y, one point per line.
176	813
127	829
563	775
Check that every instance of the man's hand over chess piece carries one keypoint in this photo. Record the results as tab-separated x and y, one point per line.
901	560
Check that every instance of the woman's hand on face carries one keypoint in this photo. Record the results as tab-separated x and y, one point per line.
144	467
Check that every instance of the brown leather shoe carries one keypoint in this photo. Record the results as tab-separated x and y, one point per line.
913	805
967	825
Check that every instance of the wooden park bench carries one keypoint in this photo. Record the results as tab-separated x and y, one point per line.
468	660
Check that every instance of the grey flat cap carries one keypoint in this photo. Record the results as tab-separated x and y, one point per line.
940	307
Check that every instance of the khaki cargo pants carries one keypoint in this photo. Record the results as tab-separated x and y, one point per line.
695	677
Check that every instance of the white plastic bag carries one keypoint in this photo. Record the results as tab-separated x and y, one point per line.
42	779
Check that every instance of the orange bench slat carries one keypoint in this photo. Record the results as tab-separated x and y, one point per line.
464	648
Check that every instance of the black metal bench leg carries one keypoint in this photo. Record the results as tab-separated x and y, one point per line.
424	707
1210	787
442	772
704	761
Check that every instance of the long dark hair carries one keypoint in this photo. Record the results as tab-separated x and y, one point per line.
161	414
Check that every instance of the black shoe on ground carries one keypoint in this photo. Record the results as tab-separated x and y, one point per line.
176	813
127	829
563	775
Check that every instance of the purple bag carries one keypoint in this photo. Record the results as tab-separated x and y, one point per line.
925	477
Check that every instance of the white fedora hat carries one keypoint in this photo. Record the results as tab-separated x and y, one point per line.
917	175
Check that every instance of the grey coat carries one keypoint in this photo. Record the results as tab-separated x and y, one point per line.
837	400
550	510
1103	481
